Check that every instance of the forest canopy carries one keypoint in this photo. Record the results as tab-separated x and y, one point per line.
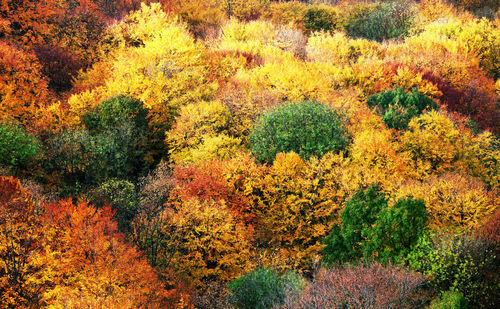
249	154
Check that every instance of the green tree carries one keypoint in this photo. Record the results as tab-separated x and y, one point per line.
319	19
17	148
121	195
113	112
82	159
373	230
396	230
360	213
307	128
389	20
462	263
262	288
450	300
398	107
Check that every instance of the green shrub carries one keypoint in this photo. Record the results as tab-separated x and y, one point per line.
262	288
462	263
389	20
82	159
450	300
17	148
121	196
114	112
372	230
307	128
398	107
118	129
319	19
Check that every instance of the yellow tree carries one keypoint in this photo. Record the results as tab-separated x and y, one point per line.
206	241
295	203
201	133
453	201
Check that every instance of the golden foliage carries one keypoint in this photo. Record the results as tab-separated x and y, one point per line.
23	88
453	201
201	133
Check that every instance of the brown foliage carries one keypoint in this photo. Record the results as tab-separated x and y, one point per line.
364	286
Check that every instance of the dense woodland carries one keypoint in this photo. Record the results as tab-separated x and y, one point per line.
249	154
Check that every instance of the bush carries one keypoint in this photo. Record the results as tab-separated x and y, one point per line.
364	286
122	120
390	20
450	300
319	19
398	107
307	128
121	196
462	263
114	112
262	288
370	229
17	148
82	159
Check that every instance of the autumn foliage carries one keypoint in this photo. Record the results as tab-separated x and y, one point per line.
52	252
246	153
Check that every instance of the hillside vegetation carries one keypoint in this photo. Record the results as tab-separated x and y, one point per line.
249	154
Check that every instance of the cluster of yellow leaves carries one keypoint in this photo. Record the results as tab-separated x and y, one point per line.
380	76
291	80
432	10
261	38
337	48
296	203
207	242
201	133
472	38
432	142
437	145
377	159
453	201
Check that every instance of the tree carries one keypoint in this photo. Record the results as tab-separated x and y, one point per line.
95	266
364	286
397	107
17	148
114	112
23	88
262	288
462	262
157	62
202	132
200	240
454	202
23	279
359	214
81	160
396	230
371	230
121	196
62	254
307	128
389	20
